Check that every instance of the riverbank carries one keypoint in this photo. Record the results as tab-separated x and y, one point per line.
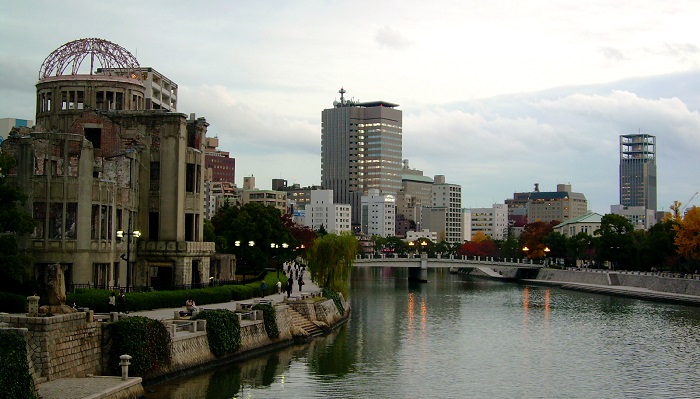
301	317
660	287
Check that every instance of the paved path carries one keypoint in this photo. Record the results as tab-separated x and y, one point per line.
99	387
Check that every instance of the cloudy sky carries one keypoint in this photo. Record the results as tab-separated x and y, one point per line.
496	95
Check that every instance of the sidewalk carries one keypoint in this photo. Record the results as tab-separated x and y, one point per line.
167	313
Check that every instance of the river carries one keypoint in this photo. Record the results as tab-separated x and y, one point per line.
456	338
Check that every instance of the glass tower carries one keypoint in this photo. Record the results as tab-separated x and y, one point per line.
638	170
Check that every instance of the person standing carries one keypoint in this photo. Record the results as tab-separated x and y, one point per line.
121	301
279	287
263	288
112	302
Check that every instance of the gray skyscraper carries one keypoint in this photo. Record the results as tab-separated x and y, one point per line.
638	170
360	149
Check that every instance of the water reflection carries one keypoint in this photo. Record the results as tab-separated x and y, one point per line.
482	339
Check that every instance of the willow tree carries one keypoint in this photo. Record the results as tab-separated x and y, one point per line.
330	260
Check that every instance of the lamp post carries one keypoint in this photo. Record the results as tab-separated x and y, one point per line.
410	246
526	249
277	246
127	258
238	244
424	245
546	251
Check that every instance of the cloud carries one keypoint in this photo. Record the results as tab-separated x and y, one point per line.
612	54
389	37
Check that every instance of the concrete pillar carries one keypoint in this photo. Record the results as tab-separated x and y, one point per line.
33	306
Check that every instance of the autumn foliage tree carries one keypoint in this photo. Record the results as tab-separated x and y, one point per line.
688	235
533	237
484	248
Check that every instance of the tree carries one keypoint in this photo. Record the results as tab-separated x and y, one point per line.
614	241
688	235
533	238
14	221
659	249
330	261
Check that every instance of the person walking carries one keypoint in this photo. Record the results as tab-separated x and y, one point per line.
301	282
263	288
112	302
279	287
121	301
290	286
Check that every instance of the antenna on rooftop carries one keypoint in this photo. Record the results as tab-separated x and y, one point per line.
342	92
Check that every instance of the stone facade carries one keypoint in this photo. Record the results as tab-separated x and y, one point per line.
61	346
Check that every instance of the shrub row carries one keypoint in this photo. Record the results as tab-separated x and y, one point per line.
15	380
223	330
13	303
97	299
146	340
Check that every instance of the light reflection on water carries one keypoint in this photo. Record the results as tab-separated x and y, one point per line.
481	339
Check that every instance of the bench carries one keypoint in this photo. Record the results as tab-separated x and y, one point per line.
244	305
266	301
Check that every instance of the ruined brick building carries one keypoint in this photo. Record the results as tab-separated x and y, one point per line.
99	162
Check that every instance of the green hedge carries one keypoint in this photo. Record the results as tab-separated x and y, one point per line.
147	341
13	303
270	319
223	330
15	380
97	299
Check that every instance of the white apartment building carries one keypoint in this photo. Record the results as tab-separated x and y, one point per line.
378	214
321	211
491	221
449	197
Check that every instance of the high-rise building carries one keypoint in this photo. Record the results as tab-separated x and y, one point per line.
638	170
361	144
321	211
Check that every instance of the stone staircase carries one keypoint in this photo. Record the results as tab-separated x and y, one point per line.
299	321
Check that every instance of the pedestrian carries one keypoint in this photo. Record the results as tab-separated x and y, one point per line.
301	282
279	287
290	286
263	288
121	301
112	302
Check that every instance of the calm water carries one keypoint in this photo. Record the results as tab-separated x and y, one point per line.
451	338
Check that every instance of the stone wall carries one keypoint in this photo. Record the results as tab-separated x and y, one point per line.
656	282
569	276
61	346
190	350
327	312
284	322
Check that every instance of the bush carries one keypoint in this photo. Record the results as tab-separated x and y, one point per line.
13	303
270	319
329	293
223	331
147	341
15	380
97	299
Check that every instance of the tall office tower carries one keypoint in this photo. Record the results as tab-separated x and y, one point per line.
638	170
360	149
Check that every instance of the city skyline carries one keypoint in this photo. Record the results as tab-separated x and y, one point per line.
494	97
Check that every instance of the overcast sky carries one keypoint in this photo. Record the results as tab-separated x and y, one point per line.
495	95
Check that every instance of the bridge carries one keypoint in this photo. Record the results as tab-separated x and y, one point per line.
418	266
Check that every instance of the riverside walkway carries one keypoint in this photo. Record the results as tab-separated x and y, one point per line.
108	387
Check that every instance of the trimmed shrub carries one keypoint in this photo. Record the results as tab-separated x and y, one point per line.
270	319
223	331
241	292
147	341
329	293
13	303
15	380
97	299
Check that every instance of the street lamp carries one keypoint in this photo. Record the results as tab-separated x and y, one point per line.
546	251
121	234
238	244
526	249
277	246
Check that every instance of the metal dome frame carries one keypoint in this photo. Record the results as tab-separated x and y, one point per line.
103	52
